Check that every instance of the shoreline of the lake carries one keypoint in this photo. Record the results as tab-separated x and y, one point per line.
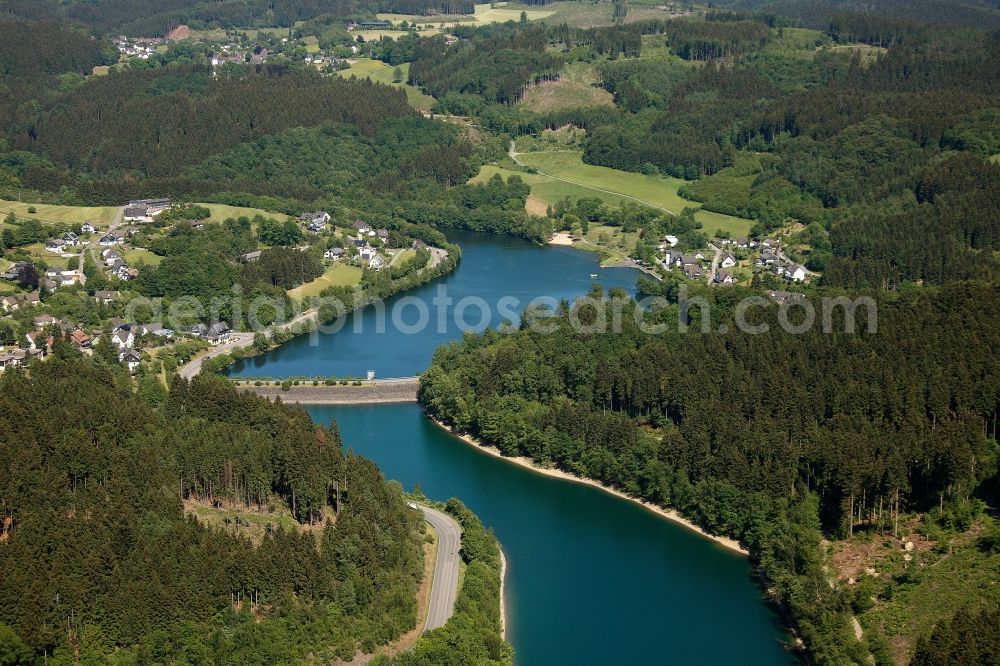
503	593
528	463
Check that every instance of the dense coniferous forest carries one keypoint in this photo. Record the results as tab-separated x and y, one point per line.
100	549
141	121
283	138
496	65
876	132
157	17
772	438
815	13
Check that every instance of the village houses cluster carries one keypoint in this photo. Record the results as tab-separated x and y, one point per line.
139	47
698	264
363	245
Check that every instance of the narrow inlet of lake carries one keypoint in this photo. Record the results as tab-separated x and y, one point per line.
592	579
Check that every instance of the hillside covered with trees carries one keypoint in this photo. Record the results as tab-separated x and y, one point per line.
121	526
157	17
775	439
871	128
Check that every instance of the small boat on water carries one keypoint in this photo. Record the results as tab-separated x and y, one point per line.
593	276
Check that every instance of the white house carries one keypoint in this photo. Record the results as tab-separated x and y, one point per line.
218	333
728	261
334	253
123	338
55	246
316	221
108	240
795	273
131	358
671	240
367	253
69	238
724	277
87	228
376	263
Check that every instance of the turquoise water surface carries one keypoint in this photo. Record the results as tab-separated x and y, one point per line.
592	579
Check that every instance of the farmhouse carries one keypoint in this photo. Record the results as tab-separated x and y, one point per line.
152	206
368	25
136	214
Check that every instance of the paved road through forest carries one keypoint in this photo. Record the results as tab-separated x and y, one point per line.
444	588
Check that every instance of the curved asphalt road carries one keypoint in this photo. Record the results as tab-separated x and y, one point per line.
444	587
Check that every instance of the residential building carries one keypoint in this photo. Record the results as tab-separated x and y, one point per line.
131	358
106	296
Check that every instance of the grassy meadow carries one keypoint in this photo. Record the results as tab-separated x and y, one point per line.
563	173
99	215
338	274
378	71
139	255
485	14
222	212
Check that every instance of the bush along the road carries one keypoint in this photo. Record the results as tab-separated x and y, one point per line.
473	635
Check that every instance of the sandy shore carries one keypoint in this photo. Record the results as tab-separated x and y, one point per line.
503	595
669	514
560	238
